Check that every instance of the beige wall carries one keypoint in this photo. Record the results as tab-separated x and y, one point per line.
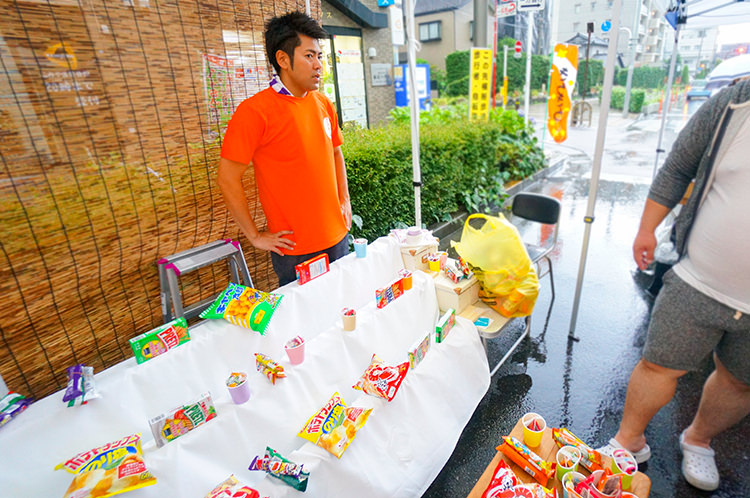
435	51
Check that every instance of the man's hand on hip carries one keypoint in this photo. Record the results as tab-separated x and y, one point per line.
273	242
643	248
346	210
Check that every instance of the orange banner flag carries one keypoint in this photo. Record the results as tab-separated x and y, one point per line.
562	83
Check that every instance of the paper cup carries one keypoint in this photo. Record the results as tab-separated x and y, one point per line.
360	247
433	262
406	279
569	481
623	462
533	429
567	458
295	350
349	321
238	387
413	236
443	259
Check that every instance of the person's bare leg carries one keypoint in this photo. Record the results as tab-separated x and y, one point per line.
649	389
724	402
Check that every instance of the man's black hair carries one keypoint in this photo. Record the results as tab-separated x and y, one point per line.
282	33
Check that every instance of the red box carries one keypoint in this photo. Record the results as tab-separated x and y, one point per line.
312	268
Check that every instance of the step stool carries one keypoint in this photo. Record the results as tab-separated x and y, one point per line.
176	265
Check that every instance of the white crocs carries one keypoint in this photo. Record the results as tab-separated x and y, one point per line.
699	466
640	456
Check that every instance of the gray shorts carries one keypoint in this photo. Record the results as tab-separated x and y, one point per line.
686	325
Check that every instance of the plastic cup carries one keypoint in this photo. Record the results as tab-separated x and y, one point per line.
570	480
238	387
443	259
533	429
623	462
413	236
360	247
567	458
349	319
433	262
295	350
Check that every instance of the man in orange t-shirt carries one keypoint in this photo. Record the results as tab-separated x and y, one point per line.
290	133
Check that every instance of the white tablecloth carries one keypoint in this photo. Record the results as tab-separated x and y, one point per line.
398	452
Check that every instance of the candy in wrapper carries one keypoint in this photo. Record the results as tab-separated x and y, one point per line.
533	490
334	426
181	420
444	325
529	461
89	389
244	306
590	458
232	488
11	405
75	383
382	380
108	470
268	367
502	483
160	340
279	467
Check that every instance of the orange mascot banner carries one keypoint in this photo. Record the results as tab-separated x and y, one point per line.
562	83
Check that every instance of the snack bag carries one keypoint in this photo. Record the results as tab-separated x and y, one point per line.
160	340
279	467
108	470
533	490
590	458
232	488
334	426
89	388
269	368
11	405
75	382
502	483
382	380
244	306
529	461
181	420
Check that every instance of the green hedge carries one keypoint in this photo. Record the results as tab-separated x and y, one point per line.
464	165
637	99
643	77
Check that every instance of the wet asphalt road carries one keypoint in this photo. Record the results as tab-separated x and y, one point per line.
581	385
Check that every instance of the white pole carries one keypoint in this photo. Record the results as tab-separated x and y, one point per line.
527	89
505	74
633	43
414	106
307	7
667	98
598	151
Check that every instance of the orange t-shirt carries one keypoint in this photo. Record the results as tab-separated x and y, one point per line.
290	142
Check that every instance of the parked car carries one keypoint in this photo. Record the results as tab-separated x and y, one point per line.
698	90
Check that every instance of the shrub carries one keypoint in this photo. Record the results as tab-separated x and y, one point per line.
637	99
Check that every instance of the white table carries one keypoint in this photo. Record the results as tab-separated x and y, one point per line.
398	453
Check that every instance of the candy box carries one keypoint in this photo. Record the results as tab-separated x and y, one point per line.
444	325
419	350
244	306
181	420
457	295
160	340
334	426
312	268
389	294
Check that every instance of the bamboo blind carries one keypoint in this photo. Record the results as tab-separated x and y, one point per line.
111	117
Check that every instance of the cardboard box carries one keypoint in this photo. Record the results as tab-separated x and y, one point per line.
457	296
415	257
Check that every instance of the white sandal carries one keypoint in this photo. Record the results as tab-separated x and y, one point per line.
640	456
699	466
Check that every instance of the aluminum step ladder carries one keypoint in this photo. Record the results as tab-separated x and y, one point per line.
173	267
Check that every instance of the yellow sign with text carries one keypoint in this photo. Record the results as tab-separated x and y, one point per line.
480	85
561	86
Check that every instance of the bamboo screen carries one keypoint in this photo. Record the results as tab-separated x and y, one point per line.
111	116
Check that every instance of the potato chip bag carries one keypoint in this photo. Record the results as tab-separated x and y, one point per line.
382	380
502	483
244	306
334	426
108	470
232	488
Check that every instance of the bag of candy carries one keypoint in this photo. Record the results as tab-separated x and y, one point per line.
232	488
382	380
11	405
533	490
83	376
334	426
244	306
108	470
502	483
279	467
590	458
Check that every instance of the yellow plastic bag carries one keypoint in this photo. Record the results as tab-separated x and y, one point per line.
498	258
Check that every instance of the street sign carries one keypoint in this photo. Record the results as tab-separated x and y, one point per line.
506	8
530	5
606	26
517	54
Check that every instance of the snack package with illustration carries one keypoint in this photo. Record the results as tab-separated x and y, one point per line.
181	420
160	340
231	487
11	405
279	467
89	391
444	325
590	458
382	380
334	426
244	306
533	490
419	350
502	483
390	293
269	368
529	461
108	470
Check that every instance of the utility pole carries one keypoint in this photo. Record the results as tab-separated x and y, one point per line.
634	36
481	17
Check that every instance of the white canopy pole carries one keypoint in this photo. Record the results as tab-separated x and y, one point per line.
527	88
414	105
598	151
667	98
307	7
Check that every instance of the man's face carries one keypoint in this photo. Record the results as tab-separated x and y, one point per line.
304	74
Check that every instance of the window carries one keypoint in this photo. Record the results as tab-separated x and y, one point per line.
576	27
593	5
429	31
577	8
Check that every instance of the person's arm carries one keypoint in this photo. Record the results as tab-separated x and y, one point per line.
343	186
645	240
229	178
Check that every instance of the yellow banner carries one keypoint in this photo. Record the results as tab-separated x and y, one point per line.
480	86
562	83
